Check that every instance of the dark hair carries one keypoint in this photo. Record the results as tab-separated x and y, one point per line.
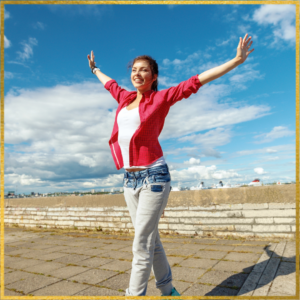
153	66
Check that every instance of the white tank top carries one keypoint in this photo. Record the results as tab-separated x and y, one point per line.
128	122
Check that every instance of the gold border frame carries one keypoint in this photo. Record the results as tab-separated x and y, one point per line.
164	3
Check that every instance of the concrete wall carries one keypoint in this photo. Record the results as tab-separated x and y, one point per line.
257	211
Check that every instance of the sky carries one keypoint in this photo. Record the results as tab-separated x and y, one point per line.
59	117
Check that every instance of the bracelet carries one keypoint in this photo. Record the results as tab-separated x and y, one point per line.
95	69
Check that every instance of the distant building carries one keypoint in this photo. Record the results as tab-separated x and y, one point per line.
121	190
11	193
102	190
32	193
93	191
112	190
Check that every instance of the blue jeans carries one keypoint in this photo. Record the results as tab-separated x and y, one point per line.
146	194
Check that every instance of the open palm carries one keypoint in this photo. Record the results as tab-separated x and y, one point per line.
243	48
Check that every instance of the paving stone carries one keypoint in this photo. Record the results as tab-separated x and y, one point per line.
31	284
126	249
220	247
45	267
187	274
117	265
210	254
205	241
11	293
254	249
16	251
152	290
33	253
193	247
52	256
235	256
261	290
67	272
233	266
289	254
129	256
228	242
198	263
285	284
62	288
91	252
8	249
23	263
71	258
180	252
171	245
198	289
174	260
250	284
117	282
209	290
83	244
114	254
16	276
286	268
223	278
42	246
256	243
96	291
94	262
93	276
59	248
180	285
113	247
270	271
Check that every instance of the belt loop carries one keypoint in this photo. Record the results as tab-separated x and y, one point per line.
167	168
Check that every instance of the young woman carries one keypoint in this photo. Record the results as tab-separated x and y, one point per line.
134	146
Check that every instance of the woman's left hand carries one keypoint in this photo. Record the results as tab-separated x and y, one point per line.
243	49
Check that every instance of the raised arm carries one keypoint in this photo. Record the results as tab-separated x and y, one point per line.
241	56
101	76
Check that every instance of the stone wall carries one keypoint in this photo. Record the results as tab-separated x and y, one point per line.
268	211
261	220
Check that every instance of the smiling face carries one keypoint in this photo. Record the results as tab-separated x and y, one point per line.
141	76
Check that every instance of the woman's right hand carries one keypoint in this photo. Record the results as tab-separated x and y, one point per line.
91	60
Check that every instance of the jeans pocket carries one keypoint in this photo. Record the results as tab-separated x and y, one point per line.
156	188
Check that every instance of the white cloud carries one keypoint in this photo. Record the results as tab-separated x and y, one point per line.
269	150
193	161
39	25
6	14
8	75
204	112
166	81
7	42
281	17
215	137
27	48
62	141
259	171
202	172
81	10
274	149
276	133
229	40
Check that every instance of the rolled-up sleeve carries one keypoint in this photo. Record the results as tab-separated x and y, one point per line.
183	90
116	91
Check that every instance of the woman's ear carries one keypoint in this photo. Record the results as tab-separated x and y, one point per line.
154	77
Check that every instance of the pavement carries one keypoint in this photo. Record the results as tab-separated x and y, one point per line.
64	263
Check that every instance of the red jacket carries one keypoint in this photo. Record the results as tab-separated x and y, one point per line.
144	148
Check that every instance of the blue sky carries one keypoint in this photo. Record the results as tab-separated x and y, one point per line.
58	116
